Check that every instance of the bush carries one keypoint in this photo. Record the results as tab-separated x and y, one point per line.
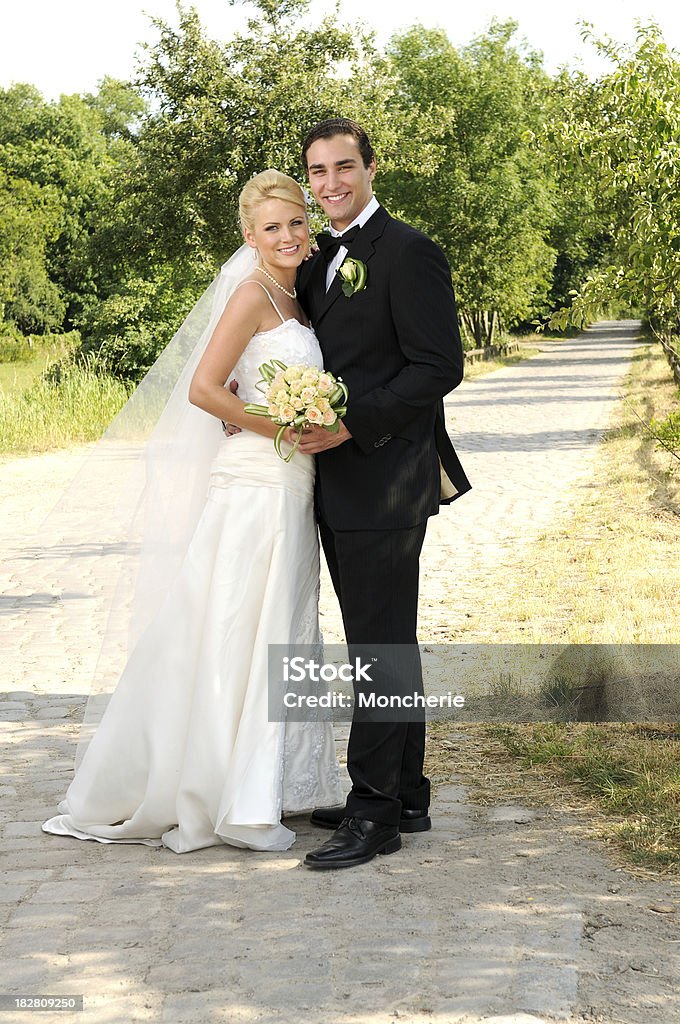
667	431
16	347
128	355
126	332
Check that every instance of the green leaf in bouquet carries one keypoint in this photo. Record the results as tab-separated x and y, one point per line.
277	443
268	372
256	410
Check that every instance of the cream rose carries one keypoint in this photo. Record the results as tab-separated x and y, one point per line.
329	417
314	415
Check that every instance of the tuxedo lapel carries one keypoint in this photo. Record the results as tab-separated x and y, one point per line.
329	297
311	285
362	248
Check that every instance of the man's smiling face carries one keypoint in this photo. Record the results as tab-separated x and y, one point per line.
338	179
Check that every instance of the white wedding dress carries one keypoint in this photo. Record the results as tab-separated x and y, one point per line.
184	755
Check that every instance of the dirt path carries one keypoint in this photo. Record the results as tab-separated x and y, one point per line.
501	914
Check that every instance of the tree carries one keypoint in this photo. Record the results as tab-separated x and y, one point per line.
119	106
223	112
621	135
487	201
63	150
581	233
217	114
29	218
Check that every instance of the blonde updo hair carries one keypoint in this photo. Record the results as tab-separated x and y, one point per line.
269	184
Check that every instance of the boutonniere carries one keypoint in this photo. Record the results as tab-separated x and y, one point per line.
354	276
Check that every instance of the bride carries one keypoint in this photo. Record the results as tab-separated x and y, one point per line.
184	755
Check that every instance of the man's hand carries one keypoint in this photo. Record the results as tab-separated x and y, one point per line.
315	439
231	428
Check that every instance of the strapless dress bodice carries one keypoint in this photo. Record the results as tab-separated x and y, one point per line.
291	342
248	458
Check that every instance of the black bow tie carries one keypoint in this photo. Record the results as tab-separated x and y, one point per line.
329	246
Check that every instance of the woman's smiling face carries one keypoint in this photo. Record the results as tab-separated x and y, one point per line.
280	233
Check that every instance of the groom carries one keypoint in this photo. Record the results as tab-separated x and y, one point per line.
396	344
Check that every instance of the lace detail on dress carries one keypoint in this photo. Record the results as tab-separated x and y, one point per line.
291	342
306	744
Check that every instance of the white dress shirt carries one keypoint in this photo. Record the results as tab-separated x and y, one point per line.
336	262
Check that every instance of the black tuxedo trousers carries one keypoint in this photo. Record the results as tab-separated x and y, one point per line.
375	576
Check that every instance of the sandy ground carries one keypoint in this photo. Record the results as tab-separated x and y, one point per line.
501	914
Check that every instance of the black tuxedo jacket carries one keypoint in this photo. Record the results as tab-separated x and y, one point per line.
397	346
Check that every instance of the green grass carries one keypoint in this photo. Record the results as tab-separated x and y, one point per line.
632	770
75	407
622	780
15	377
21	363
483	366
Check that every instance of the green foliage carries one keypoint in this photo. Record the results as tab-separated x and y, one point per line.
667	431
486	200
225	111
275	12
581	232
29	219
117	207
129	329
620	137
58	162
119	108
217	114
16	347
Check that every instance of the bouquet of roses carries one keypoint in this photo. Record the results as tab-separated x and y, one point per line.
297	395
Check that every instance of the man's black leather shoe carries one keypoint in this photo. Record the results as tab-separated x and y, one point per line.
414	821
332	817
356	841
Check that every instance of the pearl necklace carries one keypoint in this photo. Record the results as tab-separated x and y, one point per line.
291	295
